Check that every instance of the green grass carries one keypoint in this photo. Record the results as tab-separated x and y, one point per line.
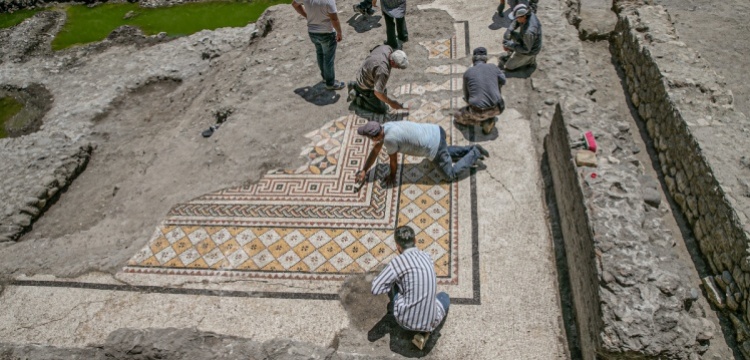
87	25
10	20
9	107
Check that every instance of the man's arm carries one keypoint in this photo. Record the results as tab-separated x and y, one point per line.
392	103
500	78
466	90
383	283
370	161
393	164
336	25
299	8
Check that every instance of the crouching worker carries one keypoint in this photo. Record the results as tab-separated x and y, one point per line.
369	92
522	40
411	284
482	83
415	139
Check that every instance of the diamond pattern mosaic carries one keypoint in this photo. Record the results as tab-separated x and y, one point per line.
310	223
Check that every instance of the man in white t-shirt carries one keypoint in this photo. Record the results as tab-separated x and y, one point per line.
324	29
416	139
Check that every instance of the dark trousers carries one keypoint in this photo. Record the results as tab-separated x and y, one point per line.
393	25
465	157
325	50
367	100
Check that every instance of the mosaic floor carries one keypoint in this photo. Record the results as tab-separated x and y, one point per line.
311	223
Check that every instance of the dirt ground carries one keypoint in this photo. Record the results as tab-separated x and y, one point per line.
150	154
720	31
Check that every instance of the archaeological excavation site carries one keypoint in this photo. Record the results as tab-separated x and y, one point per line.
180	179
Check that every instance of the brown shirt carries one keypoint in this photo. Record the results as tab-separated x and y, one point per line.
375	71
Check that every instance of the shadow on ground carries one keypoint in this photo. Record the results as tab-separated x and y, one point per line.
363	23
500	22
318	94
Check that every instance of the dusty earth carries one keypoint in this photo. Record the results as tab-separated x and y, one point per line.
149	142
149	153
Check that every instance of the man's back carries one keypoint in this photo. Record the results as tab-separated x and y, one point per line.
411	138
376	69
416	307
318	20
482	83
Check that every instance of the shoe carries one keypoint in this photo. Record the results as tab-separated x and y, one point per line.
352	93
500	11
337	85
404	39
420	339
483	151
358	9
479	165
488	125
371	11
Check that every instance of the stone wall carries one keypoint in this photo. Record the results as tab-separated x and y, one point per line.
702	144
579	245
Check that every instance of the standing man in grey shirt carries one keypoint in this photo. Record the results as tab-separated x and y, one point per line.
415	139
482	83
325	32
411	284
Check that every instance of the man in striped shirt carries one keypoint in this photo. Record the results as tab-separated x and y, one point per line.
411	284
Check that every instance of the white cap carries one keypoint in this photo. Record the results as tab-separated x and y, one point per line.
519	10
399	57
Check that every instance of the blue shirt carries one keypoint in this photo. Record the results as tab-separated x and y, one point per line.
411	138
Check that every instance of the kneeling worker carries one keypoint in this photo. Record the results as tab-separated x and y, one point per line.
369	92
426	140
482	83
522	40
411	284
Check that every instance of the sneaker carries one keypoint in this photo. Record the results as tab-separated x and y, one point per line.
358	9
337	85
404	39
482	150
370	11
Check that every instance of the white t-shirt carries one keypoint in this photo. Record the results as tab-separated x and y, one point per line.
317	15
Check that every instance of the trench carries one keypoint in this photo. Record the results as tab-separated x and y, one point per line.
612	95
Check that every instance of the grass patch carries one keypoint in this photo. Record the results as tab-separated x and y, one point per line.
9	20
9	107
86	25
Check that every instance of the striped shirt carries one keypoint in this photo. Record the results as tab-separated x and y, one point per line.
416	307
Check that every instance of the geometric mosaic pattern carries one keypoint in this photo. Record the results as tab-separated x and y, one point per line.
309	223
440	49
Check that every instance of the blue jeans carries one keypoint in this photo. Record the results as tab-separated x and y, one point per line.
465	156
325	48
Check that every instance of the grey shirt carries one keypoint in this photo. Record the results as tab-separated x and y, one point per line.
528	36
394	8
411	138
482	84
375	71
317	11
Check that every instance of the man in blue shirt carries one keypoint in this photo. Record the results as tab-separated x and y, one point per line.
426	140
